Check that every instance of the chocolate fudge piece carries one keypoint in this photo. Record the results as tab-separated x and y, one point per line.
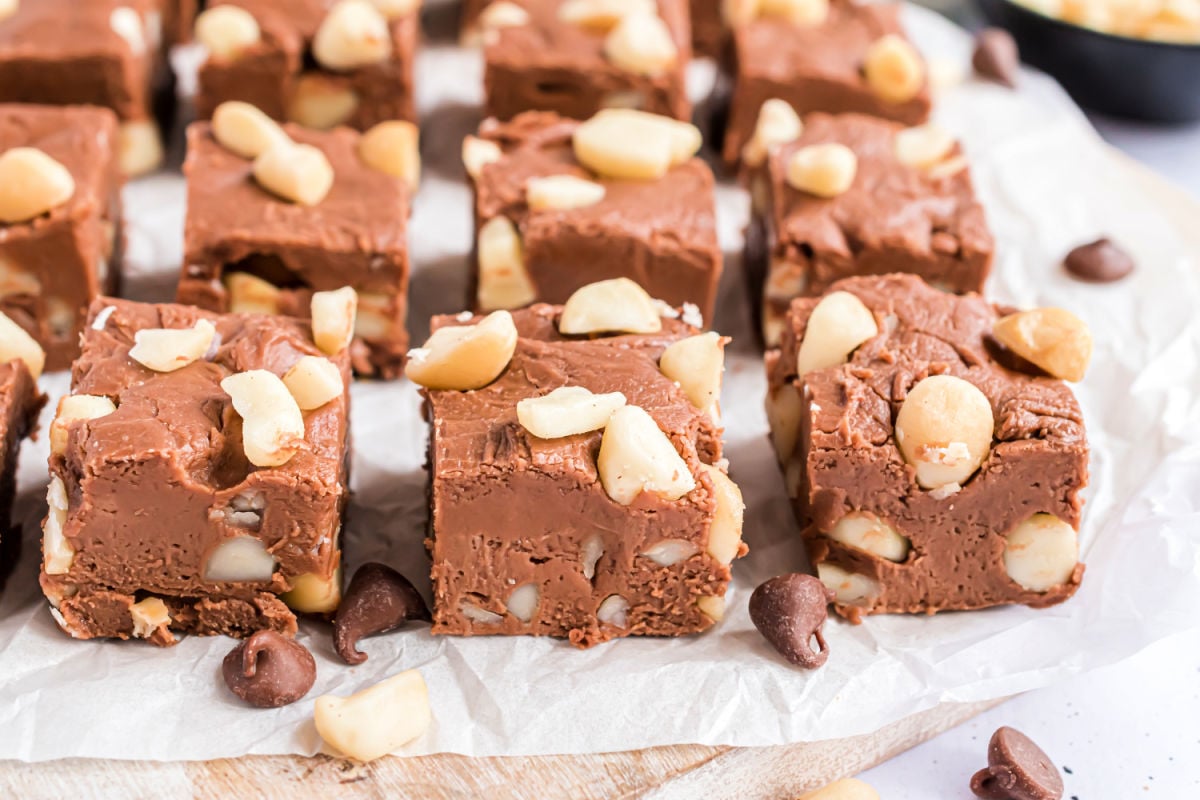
708	28
53	264
659	232
164	515
930	468
247	250
895	217
318	63
181	16
536	533
572	57
818	67
20	404
107	53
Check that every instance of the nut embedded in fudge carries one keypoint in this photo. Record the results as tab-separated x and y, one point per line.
575	57
60	235
107	53
616	517
313	62
560	204
908	205
188	490
276	212
838	56
930	467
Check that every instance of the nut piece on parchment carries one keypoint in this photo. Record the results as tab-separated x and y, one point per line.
464	357
845	789
227	31
245	130
377	720
996	57
353	34
617	305
313	381
169	349
697	364
379	599
31	183
636	456
1101	261
333	317
393	148
923	146
567	411
634	145
789	611
893	69
269	670
298	173
272	425
944	429
1041	552
72	408
1017	770
1051	338
15	342
641	44
562	192
778	123
838	324
824	170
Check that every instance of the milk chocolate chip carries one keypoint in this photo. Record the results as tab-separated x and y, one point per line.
1099	262
789	611
269	670
1017	770
379	599
996	57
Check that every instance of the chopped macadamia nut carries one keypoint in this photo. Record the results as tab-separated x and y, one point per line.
1051	338
314	381
377	720
169	349
944	429
635	145
272	425
298	173
611	306
227	31
636	456
353	34
333	317
465	357
838	325
73	408
567	411
31	184
245	130
16	343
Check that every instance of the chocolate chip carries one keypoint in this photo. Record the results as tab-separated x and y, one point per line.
789	612
378	600
996	57
1099	262
269	670
1017	770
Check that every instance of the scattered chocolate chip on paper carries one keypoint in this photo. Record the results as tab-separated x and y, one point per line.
1101	261
269	670
1017	770
996	57
789	611
379	599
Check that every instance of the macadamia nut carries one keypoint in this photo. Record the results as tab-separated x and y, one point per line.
567	411
864	531
944	429
314	381
778	123
636	456
697	364
561	192
238	559
634	145
16	343
298	173
393	148
837	326
1041	552
245	130
641	44
272	425
478	153
31	184
73	408
169	349
1052	338
333	318
503	281
227	31
617	305
377	720
315	594
354	33
893	69
464	357
824	170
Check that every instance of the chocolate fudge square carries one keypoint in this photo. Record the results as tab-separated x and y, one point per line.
708	28
535	533
897	216
574	57
20	404
820	66
53	264
107	53
319	63
247	250
163	514
930	468
660	232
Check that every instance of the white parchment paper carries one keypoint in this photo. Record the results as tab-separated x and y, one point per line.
1048	184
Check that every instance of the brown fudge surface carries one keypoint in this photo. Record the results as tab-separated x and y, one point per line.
266	74
20	404
52	266
660	233
708	28
509	508
355	237
153	486
555	65
845	457
894	218
813	68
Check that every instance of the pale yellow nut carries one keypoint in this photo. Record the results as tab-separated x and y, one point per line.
944	429
603	15
31	184
523	602
669	552
478	153
561	192
333	318
778	123
948	168
725	534
1041	552
797	12
498	15
127	23
298	173
697	364
16	343
239	559
250	294
73	408
824	170
845	789
864	531
631	98
376	317
849	588
783	417
631	144
737	13
837	326
614	610
313	594
139	148
923	146
567	411
393	148
465	357
227	31
394	9
57	552
893	69
377	720
353	34
245	130
8	8
636	456
314	381
272	425
712	606
617	305
1052	338
16	280
641	44
321	102
503	280
148	615
169	349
